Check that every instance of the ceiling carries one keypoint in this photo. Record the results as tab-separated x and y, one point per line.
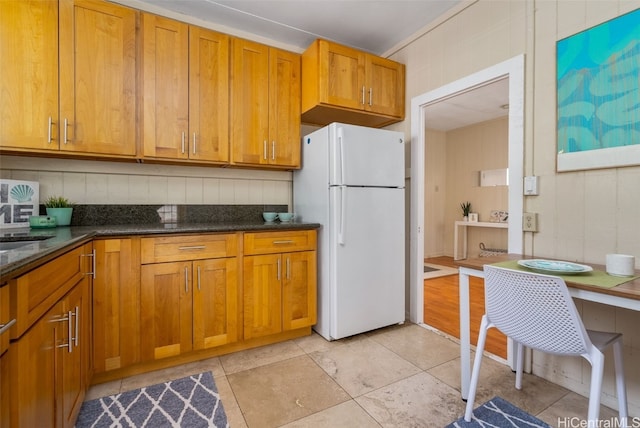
380	27
477	105
375	26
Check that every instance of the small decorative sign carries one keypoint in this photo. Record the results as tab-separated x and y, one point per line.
18	201
473	217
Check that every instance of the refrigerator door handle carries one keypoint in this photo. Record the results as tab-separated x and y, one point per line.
341	154
343	213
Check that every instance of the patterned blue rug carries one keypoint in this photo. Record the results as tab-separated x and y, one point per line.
192	401
499	413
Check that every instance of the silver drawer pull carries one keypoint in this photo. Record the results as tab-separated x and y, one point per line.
93	263
288	241
7	326
193	247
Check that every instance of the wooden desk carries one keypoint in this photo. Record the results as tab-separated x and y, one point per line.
625	295
465	225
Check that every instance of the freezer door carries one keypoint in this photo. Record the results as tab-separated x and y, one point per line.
361	156
367	259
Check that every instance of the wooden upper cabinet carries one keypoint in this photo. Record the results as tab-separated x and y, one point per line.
70	86
165	87
185	87
265	105
208	95
385	82
284	108
29	77
97	78
341	84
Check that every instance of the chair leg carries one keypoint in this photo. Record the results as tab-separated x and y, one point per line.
620	384
475	375
597	372
519	364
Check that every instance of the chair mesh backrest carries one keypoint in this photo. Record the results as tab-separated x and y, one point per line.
535	310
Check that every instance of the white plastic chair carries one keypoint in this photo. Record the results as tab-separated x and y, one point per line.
537	311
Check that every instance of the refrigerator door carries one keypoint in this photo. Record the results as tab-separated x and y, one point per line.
361	156
367	259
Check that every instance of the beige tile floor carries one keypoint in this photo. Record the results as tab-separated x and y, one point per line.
399	376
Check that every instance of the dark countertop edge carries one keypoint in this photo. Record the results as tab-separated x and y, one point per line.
83	234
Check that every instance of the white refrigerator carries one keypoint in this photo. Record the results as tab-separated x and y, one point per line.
352	183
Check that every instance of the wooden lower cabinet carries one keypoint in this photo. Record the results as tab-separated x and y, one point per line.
186	306
279	292
116	304
50	364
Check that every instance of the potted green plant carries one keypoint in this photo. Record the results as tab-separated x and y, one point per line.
60	208
466	209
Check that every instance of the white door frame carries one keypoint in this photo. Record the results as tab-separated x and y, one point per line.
513	69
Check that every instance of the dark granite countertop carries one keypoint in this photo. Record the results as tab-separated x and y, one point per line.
16	261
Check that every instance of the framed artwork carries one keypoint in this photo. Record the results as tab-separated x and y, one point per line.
598	96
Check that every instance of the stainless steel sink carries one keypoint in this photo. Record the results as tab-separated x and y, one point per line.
6	246
13	242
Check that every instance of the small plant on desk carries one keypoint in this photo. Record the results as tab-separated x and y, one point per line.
466	209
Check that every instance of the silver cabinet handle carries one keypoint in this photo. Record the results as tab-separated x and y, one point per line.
278	273
288	268
370	96
264	150
186	280
77	315
182	140
7	326
93	263
66	125
287	241
192	247
363	95
199	278
69	343
194	143
273	150
49	130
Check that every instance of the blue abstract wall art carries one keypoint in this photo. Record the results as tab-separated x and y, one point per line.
598	96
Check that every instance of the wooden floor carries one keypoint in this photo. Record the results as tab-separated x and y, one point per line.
441	307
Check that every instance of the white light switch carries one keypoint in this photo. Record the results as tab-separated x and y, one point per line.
531	185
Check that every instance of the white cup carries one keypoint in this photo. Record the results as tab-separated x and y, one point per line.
620	264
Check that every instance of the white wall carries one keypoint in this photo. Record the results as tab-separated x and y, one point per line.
582	215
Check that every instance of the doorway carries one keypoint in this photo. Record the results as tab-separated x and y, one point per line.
513	70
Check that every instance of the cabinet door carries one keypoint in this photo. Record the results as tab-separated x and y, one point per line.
215	303
165	310
165	80
116	304
284	109
97	77
5	390
249	102
262	295
385	86
208	95
341	79
33	373
29	87
299	299
74	358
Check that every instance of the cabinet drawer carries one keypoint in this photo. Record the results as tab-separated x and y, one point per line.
36	292
278	242
188	247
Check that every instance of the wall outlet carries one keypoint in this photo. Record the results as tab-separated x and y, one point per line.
530	222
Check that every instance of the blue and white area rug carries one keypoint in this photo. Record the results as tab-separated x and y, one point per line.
192	401
499	413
